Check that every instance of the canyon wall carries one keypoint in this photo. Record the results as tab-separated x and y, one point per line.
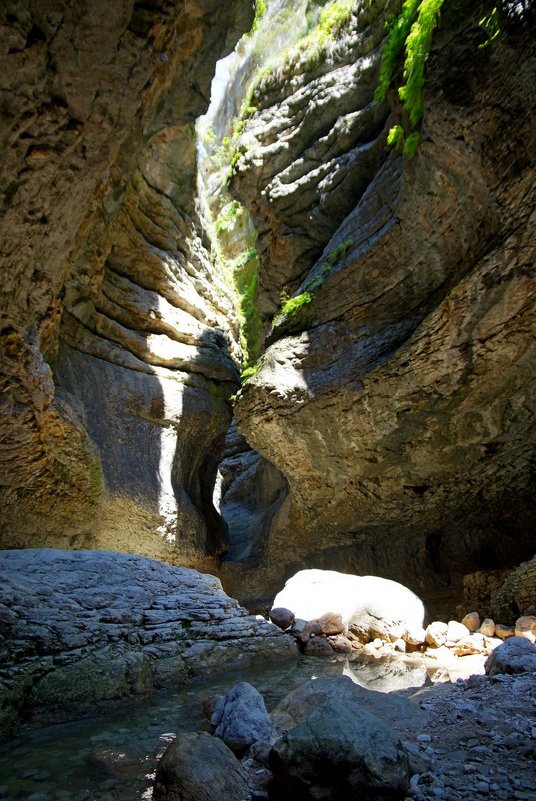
115	330
392	408
397	395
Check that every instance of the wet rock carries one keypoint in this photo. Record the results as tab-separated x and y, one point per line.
198	767
240	718
341	644
472	621
318	646
515	655
340	749
283	618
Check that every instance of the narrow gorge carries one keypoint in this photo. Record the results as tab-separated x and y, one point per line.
260	314
389	399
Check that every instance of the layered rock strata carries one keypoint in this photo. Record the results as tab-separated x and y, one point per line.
80	628
115	330
397	401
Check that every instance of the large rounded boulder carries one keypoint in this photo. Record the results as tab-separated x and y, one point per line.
369	605
339	751
198	767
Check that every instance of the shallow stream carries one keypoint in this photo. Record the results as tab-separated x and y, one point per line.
112	756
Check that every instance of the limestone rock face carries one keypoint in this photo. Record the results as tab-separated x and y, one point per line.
80	627
397	402
517	594
115	334
311	148
251	492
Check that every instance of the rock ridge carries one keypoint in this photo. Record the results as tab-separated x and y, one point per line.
81	627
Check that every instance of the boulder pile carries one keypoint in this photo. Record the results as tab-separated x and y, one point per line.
376	617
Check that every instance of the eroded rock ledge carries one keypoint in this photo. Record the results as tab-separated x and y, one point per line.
79	628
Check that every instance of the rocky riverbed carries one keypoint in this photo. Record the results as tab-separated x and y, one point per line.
461	736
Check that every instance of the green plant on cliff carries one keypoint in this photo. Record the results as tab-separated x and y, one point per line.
227	216
245	269
310	50
260	11
492	25
411	31
291	306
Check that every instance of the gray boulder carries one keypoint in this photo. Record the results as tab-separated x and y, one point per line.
283	618
198	767
340	750
398	713
515	655
240	718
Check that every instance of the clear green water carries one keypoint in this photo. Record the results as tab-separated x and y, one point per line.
112	757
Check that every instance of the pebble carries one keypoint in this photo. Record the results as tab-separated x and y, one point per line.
472	743
424	738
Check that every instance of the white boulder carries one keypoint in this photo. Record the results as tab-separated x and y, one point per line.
370	606
456	631
436	634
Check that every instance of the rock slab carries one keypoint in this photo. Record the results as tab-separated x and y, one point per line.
78	627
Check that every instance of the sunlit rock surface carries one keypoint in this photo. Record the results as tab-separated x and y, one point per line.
393	415
81	627
115	332
369	605
398	403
